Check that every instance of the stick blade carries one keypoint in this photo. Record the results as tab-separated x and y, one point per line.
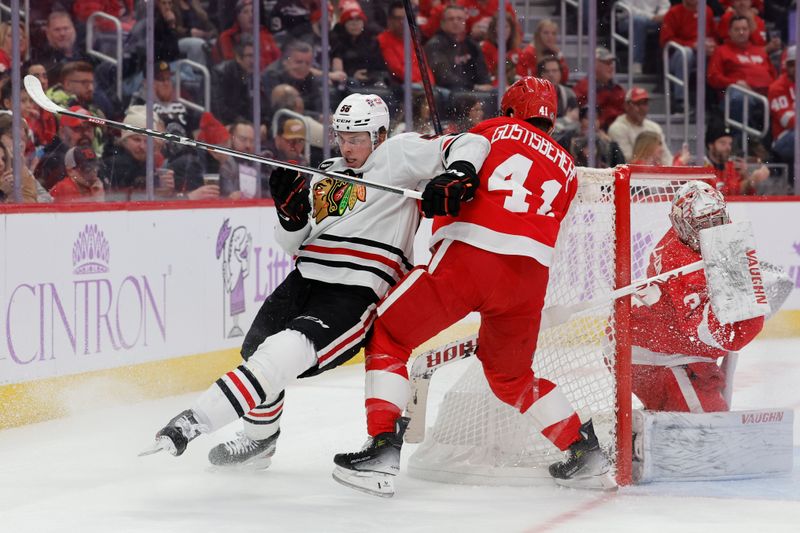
34	88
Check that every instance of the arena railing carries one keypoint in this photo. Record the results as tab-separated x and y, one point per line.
206	84
293	114
578	5
117	60
682	81
617	37
744	125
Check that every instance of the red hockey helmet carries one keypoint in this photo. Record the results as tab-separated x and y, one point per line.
531	97
695	207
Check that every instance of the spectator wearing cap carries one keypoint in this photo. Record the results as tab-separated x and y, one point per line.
544	45
71	132
167	105
233	85
355	51
244	26
456	60
549	69
288	145
783	110
61	47
732	177
286	97
82	183
212	131
680	26
610	95
626	128
294	69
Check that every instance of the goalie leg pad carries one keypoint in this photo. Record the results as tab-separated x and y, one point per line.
670	446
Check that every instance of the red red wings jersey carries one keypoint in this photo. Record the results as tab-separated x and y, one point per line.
781	105
675	317
526	185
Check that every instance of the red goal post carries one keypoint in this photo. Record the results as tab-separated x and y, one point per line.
605	241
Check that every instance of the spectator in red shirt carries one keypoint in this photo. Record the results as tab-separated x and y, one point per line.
244	25
545	43
42	123
489	48
391	43
81	183
479	13
680	26
739	62
758	32
783	110
610	95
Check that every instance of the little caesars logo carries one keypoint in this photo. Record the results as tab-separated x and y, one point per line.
233	247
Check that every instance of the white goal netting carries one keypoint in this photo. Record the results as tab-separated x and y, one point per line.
478	439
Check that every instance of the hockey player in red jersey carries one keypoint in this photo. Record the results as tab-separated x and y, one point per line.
351	245
676	337
492	258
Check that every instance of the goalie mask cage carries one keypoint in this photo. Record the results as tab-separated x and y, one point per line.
616	219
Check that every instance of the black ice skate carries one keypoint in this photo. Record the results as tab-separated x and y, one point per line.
586	465
244	452
372	469
175	436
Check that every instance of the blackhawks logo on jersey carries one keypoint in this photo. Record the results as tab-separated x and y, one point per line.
333	198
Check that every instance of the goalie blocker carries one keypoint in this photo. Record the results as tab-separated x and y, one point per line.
671	446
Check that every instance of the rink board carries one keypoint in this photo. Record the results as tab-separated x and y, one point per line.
142	301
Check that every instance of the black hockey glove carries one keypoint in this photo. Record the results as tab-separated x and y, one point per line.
291	198
444	193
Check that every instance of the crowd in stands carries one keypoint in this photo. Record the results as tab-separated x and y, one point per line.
67	159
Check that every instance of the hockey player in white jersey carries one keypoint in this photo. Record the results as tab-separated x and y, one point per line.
351	245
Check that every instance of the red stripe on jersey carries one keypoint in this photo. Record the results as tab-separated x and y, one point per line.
394	265
327	355
266	415
239	385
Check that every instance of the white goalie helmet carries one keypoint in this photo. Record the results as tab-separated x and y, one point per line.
362	112
696	206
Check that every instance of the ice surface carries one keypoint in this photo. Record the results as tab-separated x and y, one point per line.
82	474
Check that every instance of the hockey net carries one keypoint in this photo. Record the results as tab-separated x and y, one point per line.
614	222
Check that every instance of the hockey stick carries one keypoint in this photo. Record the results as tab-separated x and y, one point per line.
422	61
34	88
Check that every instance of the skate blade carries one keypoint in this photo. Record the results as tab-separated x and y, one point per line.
373	483
604	481
160	444
253	465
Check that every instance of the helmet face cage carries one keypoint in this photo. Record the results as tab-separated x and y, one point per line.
362	112
697	206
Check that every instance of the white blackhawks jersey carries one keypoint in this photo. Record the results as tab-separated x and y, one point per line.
364	236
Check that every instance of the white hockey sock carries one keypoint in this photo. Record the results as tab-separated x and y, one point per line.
265	420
